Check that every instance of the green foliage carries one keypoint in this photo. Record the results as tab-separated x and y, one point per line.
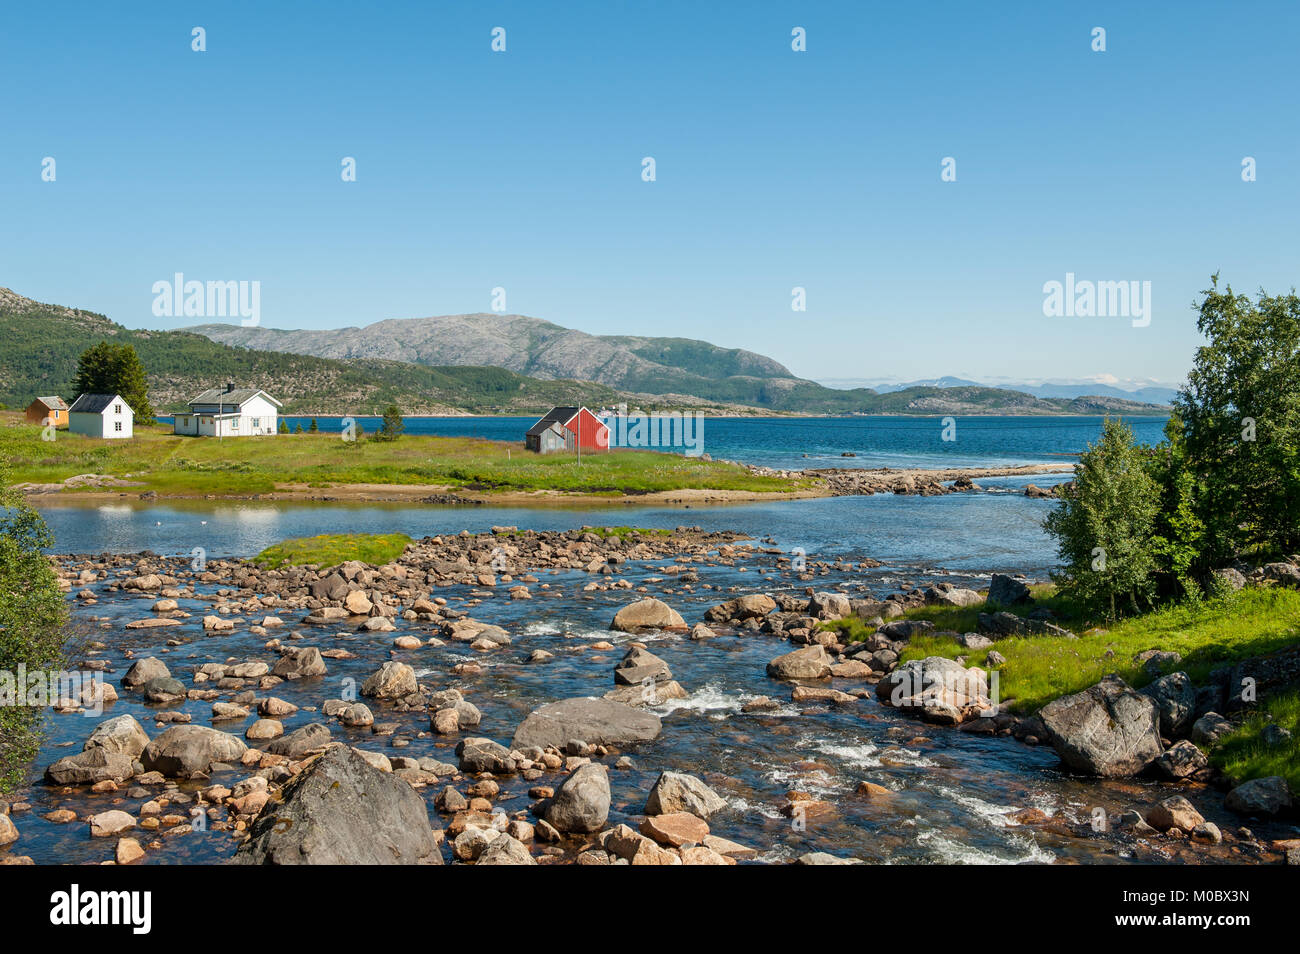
1179	533
284	426
331	549
115	369
297	428
393	425
32	620
315	428
1241	419
1244	754
1103	525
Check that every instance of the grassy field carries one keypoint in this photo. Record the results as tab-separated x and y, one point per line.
1245	755
162	462
331	549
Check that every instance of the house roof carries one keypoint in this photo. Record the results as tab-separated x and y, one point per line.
236	396
556	415
95	403
54	403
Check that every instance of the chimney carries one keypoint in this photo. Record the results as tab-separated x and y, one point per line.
230	386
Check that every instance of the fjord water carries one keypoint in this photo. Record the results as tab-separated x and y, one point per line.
953	790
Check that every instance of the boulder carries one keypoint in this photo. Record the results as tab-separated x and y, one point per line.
829	606
144	670
1004	591
676	792
595	721
506	850
638	665
301	663
1262	797
185	750
811	662
1175	697
341	811
941	690
121	734
648	614
1209	729
1107	730
90	767
393	681
1181	760
1174	812
483	755
581	804
300	742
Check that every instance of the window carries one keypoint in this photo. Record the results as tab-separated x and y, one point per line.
117	409
117	425
257	422
234	423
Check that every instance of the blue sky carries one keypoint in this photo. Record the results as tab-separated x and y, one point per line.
774	169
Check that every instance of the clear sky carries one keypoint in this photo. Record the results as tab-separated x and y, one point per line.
774	168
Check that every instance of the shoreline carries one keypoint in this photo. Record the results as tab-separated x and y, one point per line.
832	482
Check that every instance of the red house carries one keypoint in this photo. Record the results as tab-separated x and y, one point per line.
567	428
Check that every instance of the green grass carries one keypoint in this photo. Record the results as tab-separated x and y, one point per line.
1243	755
1038	669
331	549
166	463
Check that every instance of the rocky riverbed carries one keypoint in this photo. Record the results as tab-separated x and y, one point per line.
518	697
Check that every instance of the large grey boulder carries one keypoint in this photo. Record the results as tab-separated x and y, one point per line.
638	665
144	670
301	663
96	764
1004	591
648	614
676	792
185	750
1175	697
594	721
941	690
393	681
341	811
829	606
1107	730
581	804
121	734
301	742
505	850
484	755
1262	797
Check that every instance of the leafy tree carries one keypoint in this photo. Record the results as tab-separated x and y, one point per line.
115	369
297	427
284	426
315	428
1179	535
1241	417
1103	524
32	620
393	425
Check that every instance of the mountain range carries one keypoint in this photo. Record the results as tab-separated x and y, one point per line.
468	364
1153	392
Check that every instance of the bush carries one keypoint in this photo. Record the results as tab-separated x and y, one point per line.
1103	525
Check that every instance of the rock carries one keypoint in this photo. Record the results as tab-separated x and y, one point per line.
357	603
811	662
675	829
651	694
303	663
506	850
952	597
264	729
1108	729
595	721
699	631
185	750
164	689
974	641
822	858
341	811
107	824
128	851
941	690
1181	760
581	804
1210	728
90	767
484	755
1175	697
675	792
144	670
829	606
121	734
301	742
1174	812
1231	577
1264	797
752	606
393	681
1003	623
1284	574
1004	591
8	831
648	614
639	665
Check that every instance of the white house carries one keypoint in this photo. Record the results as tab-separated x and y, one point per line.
101	415
229	412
